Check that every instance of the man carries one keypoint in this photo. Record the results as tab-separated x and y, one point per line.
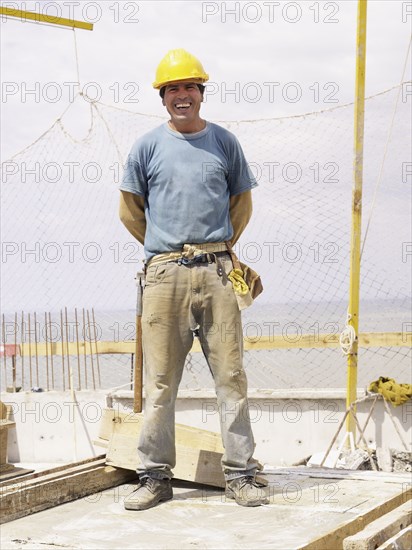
186	191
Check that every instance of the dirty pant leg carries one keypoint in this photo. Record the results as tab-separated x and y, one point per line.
222	343
167	339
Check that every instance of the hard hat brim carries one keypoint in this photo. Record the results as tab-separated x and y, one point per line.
199	80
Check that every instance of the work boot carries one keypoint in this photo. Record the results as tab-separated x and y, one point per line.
247	491
149	492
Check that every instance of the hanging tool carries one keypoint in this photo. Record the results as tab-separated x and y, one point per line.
138	360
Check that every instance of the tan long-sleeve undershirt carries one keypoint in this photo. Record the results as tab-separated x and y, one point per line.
240	211
132	214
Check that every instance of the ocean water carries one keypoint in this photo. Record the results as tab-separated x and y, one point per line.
266	369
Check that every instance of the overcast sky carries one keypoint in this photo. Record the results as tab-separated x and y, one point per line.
265	59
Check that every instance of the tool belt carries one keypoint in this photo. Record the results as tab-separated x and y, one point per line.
208	257
247	284
190	254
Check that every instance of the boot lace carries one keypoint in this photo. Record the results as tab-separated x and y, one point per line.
148	482
249	480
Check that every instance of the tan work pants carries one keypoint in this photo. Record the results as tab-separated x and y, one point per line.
178	300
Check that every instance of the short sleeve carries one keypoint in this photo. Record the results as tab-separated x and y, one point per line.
134	178
240	177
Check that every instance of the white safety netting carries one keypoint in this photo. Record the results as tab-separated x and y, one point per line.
63	245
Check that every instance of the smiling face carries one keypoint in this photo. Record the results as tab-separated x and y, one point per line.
183	100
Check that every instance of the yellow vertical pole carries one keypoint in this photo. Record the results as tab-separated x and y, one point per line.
355	253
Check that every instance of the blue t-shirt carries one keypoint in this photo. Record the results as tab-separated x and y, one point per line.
186	180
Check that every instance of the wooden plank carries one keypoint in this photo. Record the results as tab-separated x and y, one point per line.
380	530
44	18
10	472
56	469
199	452
6	424
129	424
335	538
102	347
400	541
53	474
106	424
338	473
64	485
366	340
6	470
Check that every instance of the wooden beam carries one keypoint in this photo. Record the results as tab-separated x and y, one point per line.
403	539
366	340
43	18
44	490
380	530
199	452
335	538
402	479
7	470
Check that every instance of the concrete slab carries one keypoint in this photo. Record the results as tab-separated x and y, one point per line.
304	512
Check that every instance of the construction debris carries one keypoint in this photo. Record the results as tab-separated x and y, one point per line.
356	460
402	461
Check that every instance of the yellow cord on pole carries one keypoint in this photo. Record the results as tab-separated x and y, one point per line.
355	255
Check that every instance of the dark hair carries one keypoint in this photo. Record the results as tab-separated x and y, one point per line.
163	90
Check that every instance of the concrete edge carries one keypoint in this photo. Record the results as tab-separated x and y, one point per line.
256	393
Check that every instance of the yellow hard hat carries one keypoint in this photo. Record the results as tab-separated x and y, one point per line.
178	65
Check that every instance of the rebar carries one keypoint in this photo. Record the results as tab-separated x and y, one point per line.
97	352
91	349
62	349
36	350
79	385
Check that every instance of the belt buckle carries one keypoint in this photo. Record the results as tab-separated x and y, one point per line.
190	261
199	259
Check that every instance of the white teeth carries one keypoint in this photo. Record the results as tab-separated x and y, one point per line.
181	105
